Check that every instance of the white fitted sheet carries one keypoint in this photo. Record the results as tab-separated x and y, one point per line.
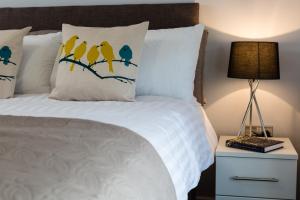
180	132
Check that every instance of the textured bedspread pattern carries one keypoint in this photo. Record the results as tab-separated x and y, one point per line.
181	135
73	159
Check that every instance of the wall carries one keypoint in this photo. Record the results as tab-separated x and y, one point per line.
272	20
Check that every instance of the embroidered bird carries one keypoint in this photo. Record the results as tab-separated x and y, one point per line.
93	55
126	54
108	54
5	54
69	45
78	54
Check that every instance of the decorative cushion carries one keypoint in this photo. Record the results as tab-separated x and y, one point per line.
99	63
38	59
11	50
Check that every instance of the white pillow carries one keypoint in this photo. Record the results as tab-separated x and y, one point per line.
38	59
169	61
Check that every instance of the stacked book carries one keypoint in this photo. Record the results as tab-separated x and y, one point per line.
257	144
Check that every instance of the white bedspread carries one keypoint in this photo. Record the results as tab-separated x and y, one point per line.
180	132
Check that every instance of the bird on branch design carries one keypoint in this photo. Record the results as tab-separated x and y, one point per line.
93	55
78	53
126	54
73	54
5	55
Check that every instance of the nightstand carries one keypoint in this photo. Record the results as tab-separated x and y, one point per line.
246	175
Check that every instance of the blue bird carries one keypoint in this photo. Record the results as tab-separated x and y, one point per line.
126	54
5	54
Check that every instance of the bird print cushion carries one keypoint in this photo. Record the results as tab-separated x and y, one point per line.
11	48
99	63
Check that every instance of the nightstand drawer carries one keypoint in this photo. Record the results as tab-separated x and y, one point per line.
256	177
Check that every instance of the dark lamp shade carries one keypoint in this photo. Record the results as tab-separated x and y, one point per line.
254	60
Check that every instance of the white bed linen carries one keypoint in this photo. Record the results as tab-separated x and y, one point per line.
182	136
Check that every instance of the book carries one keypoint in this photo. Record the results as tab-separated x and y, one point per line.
256	144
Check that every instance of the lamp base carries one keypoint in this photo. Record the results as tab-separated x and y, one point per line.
253	87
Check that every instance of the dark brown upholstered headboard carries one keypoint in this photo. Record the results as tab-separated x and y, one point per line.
159	15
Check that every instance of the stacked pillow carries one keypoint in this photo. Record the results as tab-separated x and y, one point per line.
111	63
39	55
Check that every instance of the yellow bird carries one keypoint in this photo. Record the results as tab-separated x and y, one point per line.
69	45
108	54
78	53
93	54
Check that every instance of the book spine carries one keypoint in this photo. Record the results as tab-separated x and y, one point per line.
245	147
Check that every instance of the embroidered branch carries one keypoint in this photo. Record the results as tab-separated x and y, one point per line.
2	60
89	67
121	61
8	78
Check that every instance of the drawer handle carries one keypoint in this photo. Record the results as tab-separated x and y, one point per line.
242	178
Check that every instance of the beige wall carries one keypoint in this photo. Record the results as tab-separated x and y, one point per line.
271	20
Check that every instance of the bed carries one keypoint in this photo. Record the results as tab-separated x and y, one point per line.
162	123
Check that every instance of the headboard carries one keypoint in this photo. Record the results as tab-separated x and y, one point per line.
159	15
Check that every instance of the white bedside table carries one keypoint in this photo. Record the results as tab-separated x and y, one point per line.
246	175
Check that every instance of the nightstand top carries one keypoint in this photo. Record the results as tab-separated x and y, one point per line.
288	151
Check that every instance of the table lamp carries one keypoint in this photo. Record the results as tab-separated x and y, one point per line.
253	61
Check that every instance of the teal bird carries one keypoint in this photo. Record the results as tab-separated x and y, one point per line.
126	54
5	54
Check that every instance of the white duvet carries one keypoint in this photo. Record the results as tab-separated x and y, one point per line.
180	132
